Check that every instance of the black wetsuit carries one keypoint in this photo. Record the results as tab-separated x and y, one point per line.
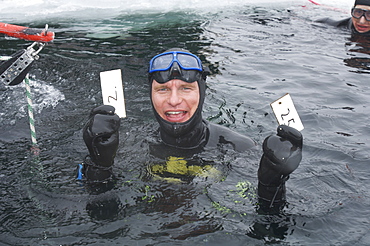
345	23
184	163
178	143
183	152
208	135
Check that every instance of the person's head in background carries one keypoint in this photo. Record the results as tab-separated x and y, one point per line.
361	16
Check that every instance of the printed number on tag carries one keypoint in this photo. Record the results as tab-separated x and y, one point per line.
112	91
285	112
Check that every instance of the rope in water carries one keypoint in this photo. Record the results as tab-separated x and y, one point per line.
30	111
328	7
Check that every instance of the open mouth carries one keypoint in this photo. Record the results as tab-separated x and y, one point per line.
176	116
362	28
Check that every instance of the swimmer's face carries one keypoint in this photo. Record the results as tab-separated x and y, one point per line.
175	100
361	25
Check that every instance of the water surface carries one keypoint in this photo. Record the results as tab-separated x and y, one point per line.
257	53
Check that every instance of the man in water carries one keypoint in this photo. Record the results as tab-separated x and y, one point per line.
177	91
359	23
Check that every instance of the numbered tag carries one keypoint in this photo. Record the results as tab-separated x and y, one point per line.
285	112
112	91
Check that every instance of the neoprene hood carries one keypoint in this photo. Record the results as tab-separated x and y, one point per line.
187	134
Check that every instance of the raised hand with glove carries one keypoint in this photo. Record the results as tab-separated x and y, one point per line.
282	154
101	137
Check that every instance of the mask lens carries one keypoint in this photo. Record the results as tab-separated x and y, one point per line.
191	76
187	61
357	13
161	62
161	76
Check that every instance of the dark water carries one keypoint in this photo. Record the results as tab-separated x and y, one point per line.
256	55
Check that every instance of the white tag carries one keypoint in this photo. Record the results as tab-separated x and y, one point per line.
112	91
285	112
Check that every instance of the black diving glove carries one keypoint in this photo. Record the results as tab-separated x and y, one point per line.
282	154
101	137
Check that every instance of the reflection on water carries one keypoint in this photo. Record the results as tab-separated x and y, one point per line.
256	55
359	48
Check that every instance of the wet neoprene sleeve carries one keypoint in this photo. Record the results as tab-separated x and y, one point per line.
101	137
282	154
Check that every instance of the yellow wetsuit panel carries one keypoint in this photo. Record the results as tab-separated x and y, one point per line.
176	168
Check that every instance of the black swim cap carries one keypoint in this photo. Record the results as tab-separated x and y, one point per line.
362	2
